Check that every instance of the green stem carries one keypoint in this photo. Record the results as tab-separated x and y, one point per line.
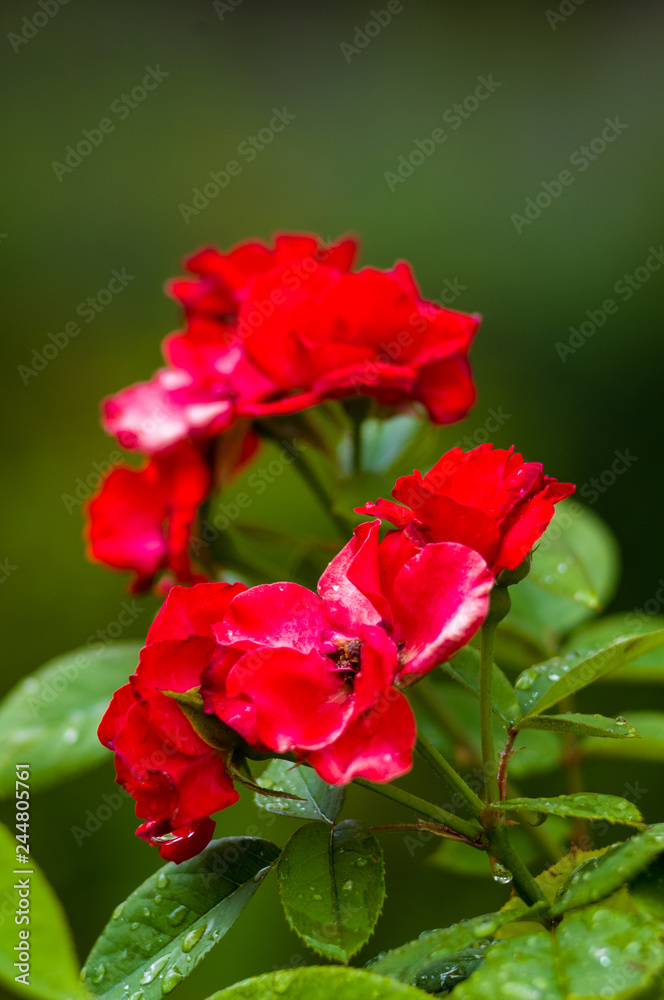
524	882
454	781
467	829
489	760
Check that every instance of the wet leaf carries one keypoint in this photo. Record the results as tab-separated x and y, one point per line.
319	983
332	886
587	805
581	725
161	932
318	799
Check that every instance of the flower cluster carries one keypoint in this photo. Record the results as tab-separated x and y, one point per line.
267	331
319	678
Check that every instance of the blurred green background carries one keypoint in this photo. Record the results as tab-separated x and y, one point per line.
356	113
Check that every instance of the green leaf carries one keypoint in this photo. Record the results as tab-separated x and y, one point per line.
577	557
408	961
318	800
167	925
646	669
650	746
332	886
319	983
543	685
51	717
53	967
581	725
464	668
596	953
587	805
598	877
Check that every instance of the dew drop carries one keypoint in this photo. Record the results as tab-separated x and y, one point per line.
153	970
146	911
347	886
620	721
192	938
317	896
501	874
177	915
137	996
99	974
361	863
158	898
118	911
171	980
524	683
163	881
134	926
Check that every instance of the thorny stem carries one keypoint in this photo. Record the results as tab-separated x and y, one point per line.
504	762
468	829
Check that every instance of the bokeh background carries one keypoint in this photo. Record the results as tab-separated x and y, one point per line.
356	113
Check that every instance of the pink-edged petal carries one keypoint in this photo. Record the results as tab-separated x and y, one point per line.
273	614
351	585
377	745
439	599
301	702
189	611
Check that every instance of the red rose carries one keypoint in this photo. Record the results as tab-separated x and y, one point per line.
275	330
141	519
319	676
297	326
176	778
488	499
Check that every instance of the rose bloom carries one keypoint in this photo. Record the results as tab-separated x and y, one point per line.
273	330
488	499
320	676
284	671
